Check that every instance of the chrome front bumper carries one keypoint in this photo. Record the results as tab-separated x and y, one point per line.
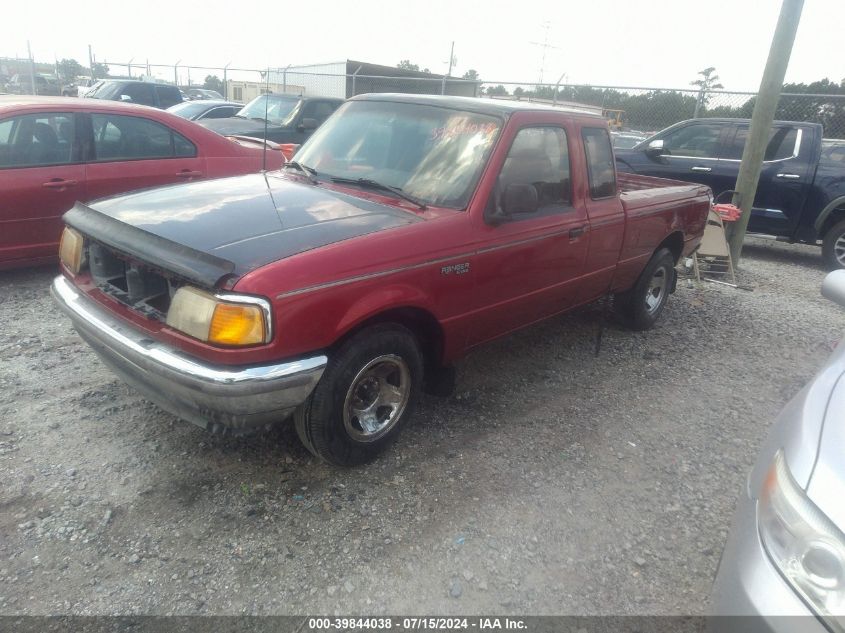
219	398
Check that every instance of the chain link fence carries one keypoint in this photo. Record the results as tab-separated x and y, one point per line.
635	109
647	110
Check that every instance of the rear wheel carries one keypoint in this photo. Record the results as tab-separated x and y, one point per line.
366	393
833	246
642	305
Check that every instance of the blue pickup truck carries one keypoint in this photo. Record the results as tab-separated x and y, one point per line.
801	195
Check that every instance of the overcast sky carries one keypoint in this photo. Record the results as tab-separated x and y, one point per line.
651	43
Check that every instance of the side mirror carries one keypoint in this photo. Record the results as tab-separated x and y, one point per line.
833	287
308	124
519	198
655	148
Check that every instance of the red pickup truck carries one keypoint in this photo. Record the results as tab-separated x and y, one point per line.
406	231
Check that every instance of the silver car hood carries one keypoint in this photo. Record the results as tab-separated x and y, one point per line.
818	408
827	482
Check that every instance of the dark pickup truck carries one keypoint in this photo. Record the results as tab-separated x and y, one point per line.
801	195
279	118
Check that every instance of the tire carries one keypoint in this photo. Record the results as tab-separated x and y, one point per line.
365	396
835	234
642	305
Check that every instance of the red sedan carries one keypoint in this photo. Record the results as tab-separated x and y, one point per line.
55	151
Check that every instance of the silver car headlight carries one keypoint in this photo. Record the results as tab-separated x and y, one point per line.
803	543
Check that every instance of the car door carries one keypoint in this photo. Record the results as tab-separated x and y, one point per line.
605	213
528	265
133	152
41	177
689	152
785	177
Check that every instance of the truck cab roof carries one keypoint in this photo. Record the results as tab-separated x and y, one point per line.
493	107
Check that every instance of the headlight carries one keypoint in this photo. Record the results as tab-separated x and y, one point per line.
224	319
804	544
70	249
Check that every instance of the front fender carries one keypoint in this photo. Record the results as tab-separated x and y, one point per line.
383	299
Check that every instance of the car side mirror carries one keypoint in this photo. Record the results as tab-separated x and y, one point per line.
833	287
308	124
520	198
655	148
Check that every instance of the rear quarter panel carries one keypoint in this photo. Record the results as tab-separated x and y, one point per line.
655	209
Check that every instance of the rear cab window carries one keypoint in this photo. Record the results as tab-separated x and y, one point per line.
600	163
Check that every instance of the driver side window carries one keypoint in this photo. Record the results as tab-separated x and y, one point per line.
538	158
700	140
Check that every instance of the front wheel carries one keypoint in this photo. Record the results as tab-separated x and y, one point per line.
364	396
833	247
642	305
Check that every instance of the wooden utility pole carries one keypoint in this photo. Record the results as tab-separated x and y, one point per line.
761	120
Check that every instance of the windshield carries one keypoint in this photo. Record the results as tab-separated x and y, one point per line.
432	153
278	110
105	90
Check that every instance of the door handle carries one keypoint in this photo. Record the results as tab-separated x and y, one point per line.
58	183
575	233
187	173
788	176
701	169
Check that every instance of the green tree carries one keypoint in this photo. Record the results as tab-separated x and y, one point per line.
499	90
69	69
213	82
406	64
706	84
99	70
471	74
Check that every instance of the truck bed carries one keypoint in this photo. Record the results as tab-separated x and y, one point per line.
636	188
656	207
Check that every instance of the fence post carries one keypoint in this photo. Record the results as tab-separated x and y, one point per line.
285	79
225	82
176	73
443	87
698	103
354	80
31	68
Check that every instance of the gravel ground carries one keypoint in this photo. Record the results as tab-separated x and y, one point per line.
552	482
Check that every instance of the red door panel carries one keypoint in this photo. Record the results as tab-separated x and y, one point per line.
111	178
31	208
526	273
133	152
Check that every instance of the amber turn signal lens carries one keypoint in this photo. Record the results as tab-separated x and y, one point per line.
70	250
236	325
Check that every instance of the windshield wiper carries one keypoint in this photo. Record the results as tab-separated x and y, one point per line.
374	184
305	169
259	118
